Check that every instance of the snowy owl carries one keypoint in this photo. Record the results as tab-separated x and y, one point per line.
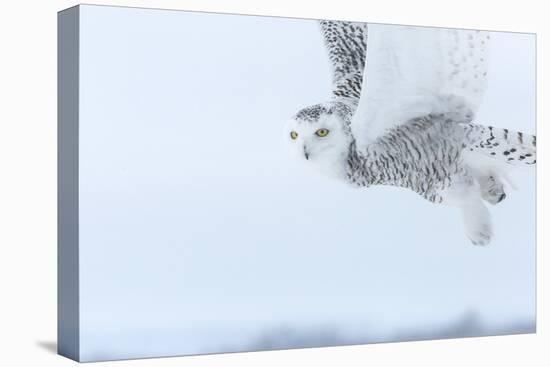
401	114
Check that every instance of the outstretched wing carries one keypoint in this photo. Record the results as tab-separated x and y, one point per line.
347	47
416	71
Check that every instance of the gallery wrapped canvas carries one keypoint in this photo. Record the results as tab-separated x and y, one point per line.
241	183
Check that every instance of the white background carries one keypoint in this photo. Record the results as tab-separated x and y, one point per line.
27	201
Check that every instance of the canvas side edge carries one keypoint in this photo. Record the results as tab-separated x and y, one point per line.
68	326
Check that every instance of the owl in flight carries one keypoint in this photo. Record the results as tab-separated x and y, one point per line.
401	114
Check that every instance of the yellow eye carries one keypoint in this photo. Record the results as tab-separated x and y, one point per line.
322	132
293	135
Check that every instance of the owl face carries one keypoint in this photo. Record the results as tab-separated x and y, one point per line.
318	135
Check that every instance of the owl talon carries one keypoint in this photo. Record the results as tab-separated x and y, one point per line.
481	239
492	190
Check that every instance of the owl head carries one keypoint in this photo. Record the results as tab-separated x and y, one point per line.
320	133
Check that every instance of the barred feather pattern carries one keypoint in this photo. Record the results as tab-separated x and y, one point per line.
513	147
346	43
423	155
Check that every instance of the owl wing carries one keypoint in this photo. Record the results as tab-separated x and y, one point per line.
346	45
416	71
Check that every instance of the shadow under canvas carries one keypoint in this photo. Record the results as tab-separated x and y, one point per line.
47	345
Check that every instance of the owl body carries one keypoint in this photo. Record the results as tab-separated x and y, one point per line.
424	156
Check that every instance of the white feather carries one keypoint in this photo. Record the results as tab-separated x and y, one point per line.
414	71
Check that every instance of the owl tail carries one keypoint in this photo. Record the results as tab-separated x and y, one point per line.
512	147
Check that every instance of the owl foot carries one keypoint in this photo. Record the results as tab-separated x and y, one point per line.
477	223
492	190
480	238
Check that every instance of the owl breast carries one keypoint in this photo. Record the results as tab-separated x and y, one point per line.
423	155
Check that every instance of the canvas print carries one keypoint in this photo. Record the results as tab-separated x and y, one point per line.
242	183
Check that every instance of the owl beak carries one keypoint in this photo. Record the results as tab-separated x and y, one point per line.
306	153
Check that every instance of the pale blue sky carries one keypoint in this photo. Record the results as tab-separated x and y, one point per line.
198	234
